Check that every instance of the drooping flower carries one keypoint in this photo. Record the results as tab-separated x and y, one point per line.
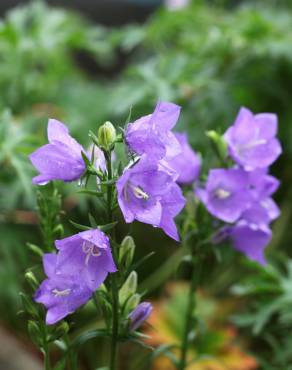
139	315
226	193
88	255
251	140
251	239
152	134
187	164
262	186
148	193
60	294
61	159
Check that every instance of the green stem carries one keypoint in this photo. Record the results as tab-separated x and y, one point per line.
195	280
114	283
46	356
115	325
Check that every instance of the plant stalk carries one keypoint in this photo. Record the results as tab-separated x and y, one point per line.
114	283
194	283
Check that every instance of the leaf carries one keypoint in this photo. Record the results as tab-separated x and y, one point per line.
98	194
108	182
79	226
165	350
85	337
129	117
92	221
86	160
107	227
140	262
94	138
35	249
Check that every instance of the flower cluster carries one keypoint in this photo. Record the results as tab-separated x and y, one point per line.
148	190
81	265
241	195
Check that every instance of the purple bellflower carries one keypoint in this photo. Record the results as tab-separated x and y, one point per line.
251	140
60	294
251	239
187	163
152	134
139	315
262	187
86	254
226	193
148	193
61	159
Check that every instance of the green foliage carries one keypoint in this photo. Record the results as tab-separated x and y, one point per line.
268	302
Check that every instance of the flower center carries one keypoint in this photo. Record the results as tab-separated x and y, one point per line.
222	193
140	193
91	250
61	293
251	145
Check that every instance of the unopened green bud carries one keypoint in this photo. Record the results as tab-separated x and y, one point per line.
218	143
107	135
34	332
28	305
126	253
132	302
59	331
129	287
31	279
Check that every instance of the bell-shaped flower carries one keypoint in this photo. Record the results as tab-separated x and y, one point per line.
61	159
139	315
226	193
187	163
148	193
252	141
60	294
262	186
152	134
251	239
88	255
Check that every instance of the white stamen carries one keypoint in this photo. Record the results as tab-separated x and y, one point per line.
91	250
251	145
61	293
222	193
140	193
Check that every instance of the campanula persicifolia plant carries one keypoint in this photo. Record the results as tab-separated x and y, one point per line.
149	187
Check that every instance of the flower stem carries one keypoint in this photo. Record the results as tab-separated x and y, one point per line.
195	280
114	283
115	324
46	356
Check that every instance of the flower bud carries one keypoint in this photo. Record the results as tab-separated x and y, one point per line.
60	331
139	315
31	279
126	253
218	143
34	331
132	302
129	288
28	305
106	135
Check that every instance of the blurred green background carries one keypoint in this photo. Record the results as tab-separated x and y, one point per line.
211	57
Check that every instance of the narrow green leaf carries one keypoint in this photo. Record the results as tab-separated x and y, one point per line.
79	226
108	227
92	221
98	194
